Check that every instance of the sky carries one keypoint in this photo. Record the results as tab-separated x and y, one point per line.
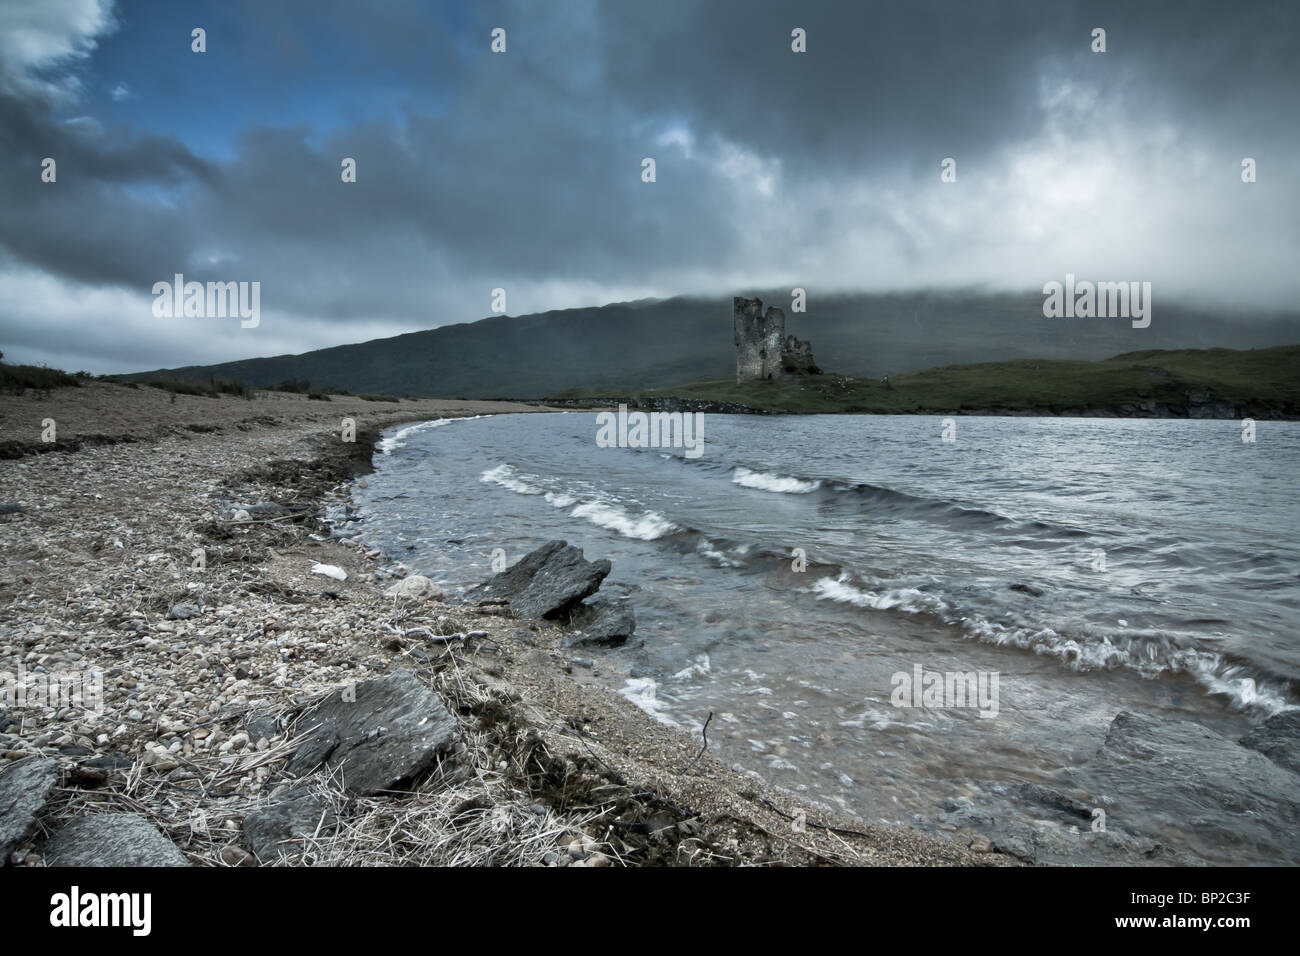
522	170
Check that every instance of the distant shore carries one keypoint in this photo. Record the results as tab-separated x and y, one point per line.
210	672
1261	384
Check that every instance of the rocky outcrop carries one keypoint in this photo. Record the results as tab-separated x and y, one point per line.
546	582
1278	739
111	839
381	734
1231	794
25	785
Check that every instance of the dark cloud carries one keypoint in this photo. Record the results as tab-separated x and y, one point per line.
523	171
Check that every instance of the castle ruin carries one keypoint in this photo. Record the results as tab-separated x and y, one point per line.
763	351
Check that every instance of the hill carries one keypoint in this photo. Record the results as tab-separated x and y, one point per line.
657	343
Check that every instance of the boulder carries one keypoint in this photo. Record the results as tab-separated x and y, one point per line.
25	786
111	839
1278	739
1204	784
383	734
602	622
546	582
414	588
285	827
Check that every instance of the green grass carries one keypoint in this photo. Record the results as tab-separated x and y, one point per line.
1267	378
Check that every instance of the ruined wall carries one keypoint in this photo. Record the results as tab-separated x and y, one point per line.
797	357
759	339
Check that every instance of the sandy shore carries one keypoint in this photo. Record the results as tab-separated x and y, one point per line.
210	673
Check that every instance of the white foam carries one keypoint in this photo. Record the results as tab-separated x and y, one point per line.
1100	653
768	482
641	691
398	438
646	526
700	666
507	476
906	599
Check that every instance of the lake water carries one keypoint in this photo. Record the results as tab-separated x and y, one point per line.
1092	565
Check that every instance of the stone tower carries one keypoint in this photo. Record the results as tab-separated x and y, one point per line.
759	339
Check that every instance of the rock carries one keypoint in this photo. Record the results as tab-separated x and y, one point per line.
285	826
262	726
414	588
385	736
546	581
111	839
157	758
235	856
1026	589
330	571
25	786
1278	739
962	812
11	508
88	777
311	753
1202	782
602	622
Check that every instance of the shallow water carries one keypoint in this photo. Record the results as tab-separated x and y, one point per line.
1154	566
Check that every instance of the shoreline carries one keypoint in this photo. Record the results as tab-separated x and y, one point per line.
210	675
1161	411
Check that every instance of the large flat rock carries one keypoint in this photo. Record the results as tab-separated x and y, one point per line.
1201	782
111	839
25	785
392	732
545	582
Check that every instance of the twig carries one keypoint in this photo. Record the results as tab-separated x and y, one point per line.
704	732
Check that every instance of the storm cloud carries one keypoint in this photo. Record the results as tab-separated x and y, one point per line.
523	170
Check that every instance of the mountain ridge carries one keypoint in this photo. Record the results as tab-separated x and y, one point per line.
656	343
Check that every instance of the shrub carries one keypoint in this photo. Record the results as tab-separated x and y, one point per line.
17	378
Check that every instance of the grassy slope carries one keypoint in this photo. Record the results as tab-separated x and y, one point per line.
1256	377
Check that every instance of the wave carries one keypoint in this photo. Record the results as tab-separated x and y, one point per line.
1150	654
599	510
882	498
386	446
778	483
646	526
